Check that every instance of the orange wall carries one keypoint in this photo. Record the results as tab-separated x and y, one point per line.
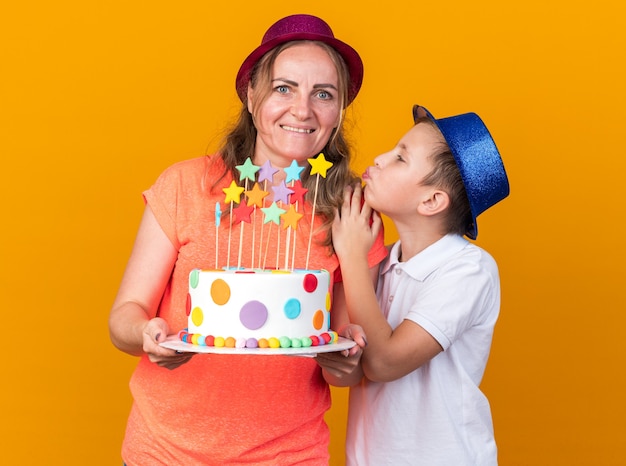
97	98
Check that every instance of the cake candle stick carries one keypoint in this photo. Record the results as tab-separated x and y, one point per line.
290	222
277	247
272	214
287	247
218	215
293	250
262	230
297	198
230	234
266	173
288	243
252	245
256	198
262	265
295	235
289	250
242	214
319	166
292	175
308	249
281	196
233	195
287	226
241	226
247	171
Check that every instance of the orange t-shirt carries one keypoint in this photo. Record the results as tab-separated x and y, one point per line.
225	409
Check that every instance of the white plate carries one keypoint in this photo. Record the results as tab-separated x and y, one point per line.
173	342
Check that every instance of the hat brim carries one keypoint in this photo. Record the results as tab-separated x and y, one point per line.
349	55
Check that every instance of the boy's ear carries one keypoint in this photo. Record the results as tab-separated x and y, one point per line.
437	202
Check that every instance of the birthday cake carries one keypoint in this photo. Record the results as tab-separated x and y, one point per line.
255	307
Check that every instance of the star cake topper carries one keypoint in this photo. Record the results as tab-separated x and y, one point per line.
320	165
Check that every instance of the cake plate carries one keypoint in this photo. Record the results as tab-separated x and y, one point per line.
173	342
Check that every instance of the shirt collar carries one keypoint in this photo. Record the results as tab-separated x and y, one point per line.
425	262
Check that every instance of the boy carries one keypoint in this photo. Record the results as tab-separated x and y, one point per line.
430	322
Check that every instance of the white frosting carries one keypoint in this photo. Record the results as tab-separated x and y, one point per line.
258	304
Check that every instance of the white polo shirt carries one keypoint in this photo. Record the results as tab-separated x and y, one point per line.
436	415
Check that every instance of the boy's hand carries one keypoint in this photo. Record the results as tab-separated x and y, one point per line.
355	226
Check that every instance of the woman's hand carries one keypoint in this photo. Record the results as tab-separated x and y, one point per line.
132	325
342	368
155	332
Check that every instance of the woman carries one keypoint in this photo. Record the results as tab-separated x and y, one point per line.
240	409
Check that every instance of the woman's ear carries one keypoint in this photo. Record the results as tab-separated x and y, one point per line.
434	204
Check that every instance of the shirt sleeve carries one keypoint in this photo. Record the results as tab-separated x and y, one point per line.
162	197
460	295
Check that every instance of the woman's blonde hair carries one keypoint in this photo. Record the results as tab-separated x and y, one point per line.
239	142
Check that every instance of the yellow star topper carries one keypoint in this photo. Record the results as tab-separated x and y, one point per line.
291	218
233	192
320	165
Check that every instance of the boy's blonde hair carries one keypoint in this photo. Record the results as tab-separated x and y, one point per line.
445	175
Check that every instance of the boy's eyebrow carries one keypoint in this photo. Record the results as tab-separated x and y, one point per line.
315	86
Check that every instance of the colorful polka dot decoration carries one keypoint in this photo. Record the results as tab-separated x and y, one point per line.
310	283
326	338
188	305
253	315
292	308
194	278
220	292
220	300
318	319
197	317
